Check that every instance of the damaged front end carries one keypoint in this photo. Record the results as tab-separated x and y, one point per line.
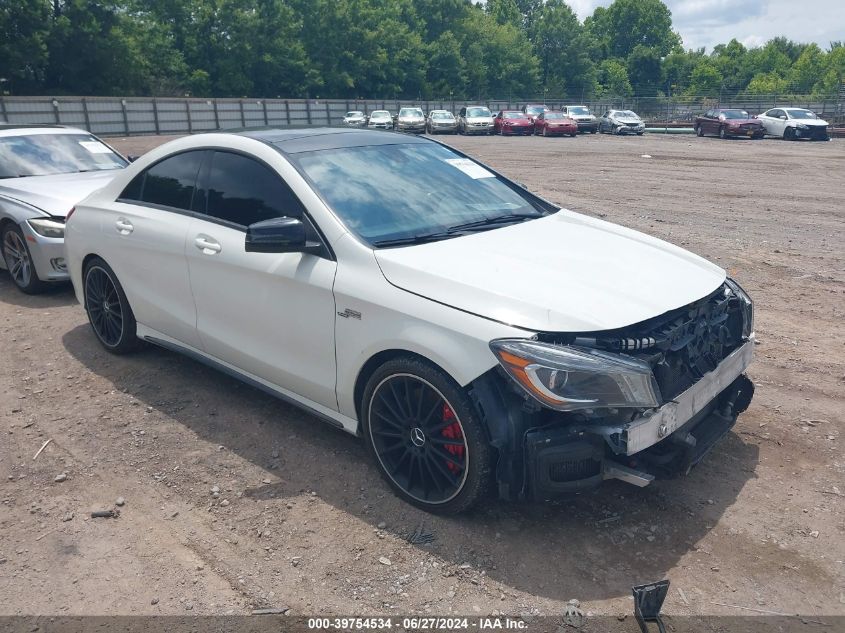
647	400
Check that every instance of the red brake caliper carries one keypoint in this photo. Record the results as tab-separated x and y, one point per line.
453	432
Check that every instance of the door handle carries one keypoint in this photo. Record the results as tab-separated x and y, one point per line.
207	245
124	226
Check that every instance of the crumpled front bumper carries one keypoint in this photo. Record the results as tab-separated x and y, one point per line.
667	442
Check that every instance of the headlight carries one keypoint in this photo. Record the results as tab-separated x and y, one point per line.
568	378
47	228
747	307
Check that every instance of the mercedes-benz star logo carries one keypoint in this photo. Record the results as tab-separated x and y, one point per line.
417	436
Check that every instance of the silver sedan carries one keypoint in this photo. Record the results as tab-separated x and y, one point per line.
44	172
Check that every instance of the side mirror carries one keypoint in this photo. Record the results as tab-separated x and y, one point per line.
782	116
279	235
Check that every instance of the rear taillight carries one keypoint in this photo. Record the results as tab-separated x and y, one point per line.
69	213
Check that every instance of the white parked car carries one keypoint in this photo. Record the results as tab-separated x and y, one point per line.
621	122
355	118
585	119
380	119
475	335
44	171
794	123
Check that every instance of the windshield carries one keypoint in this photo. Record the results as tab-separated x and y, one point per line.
535	109
442	115
579	110
513	115
735	114
554	115
45	154
380	114
411	112
478	112
350	115
388	192
801	114
626	114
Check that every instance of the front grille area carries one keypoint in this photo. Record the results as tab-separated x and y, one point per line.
680	346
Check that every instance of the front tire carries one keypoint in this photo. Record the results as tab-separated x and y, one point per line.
699	131
19	262
722	134
108	309
426	437
789	134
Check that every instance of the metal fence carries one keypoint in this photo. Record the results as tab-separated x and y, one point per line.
115	116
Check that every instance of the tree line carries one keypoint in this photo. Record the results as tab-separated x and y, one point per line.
385	48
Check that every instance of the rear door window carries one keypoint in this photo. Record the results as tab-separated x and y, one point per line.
169	183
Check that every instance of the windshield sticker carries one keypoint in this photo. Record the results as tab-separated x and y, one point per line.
95	147
471	169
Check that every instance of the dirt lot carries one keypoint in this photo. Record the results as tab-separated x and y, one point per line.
302	519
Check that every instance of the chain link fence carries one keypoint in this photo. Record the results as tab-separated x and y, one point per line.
115	116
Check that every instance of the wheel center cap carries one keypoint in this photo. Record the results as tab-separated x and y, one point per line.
417	436
106	307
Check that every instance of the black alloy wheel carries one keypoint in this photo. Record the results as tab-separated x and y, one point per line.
425	437
19	262
108	309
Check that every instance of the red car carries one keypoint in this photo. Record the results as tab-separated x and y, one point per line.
533	111
512	122
555	124
727	122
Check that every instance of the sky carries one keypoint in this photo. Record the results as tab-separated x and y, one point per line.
752	22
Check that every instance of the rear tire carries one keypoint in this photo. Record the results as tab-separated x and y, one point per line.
19	262
108	309
425	436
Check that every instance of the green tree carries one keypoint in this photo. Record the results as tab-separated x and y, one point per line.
565	51
805	72
644	69
626	24
705	80
613	79
504	12
24	30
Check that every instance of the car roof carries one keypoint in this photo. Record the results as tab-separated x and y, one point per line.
294	141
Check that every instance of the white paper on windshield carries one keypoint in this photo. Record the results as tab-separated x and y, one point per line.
471	169
95	147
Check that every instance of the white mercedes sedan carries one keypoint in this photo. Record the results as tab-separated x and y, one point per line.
478	337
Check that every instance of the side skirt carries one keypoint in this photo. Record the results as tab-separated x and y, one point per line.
334	418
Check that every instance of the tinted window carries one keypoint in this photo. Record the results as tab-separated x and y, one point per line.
243	191
170	183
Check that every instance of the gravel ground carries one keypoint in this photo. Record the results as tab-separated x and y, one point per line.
235	501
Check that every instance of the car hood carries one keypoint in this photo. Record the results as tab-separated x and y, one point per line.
812	122
626	119
479	119
56	194
582	117
562	273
